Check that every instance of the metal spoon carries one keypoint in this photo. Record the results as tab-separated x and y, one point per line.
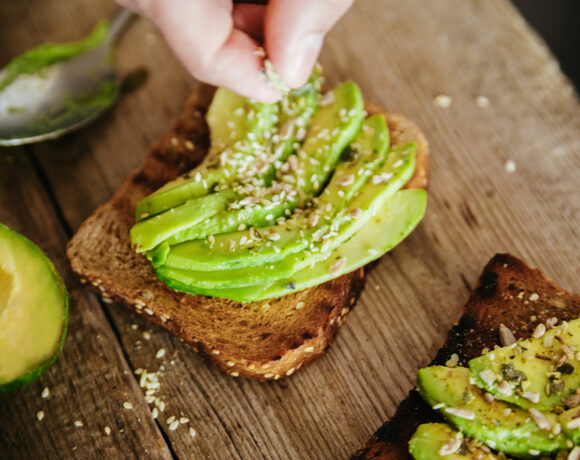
63	96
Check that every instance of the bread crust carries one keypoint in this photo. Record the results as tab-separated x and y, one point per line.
265	340
502	296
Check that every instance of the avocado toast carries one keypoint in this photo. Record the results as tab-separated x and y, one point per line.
264	340
511	301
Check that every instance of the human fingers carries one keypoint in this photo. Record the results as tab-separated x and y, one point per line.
294	33
202	35
249	18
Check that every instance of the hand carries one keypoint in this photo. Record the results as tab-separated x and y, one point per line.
217	40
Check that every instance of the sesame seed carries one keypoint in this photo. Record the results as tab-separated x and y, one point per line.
299	305
230	364
45	393
40	415
573	424
174	425
146	335
461	413
268	375
309	349
506	335
574	454
189	145
540	419
442	101
438	406
450	447
235	374
192	432
127	405
504	388
453	361
215	352
534	297
155	413
338	266
183	420
539	331
290	371
160	353
510	166
78	423
532	396
482	101
107	430
149	311
170	420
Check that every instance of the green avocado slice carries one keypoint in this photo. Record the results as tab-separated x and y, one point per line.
538	372
392	223
332	128
273	243
499	425
437	441
238	129
33	311
237	125
399	168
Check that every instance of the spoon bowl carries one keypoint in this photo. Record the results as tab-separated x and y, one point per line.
61	96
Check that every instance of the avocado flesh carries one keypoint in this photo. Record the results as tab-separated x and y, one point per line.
369	150
33	311
147	234
501	426
536	360
370	199
332	128
568	420
297	108
393	222
429	438
236	124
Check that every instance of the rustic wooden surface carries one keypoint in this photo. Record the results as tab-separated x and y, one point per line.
402	54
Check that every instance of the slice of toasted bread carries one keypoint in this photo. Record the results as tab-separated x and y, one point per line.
505	295
261	340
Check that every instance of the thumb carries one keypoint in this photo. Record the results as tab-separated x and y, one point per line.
294	33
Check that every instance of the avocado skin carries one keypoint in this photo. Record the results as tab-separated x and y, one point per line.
522	361
514	434
43	367
430	437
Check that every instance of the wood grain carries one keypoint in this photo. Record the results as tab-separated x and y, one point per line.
402	54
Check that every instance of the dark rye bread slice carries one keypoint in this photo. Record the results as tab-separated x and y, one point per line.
502	297
261	340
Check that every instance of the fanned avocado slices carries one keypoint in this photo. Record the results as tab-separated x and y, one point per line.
331	130
538	372
33	311
247	139
392	223
330	237
501	426
273	243
437	441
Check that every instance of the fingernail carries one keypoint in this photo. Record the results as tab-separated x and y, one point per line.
299	59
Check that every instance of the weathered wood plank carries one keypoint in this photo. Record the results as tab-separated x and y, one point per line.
91	380
402	54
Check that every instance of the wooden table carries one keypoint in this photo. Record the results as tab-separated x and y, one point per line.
403	54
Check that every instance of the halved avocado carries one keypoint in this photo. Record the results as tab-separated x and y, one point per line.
33	311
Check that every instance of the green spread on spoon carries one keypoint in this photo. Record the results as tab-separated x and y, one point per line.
37	59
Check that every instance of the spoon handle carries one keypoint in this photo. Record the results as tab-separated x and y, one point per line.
119	23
